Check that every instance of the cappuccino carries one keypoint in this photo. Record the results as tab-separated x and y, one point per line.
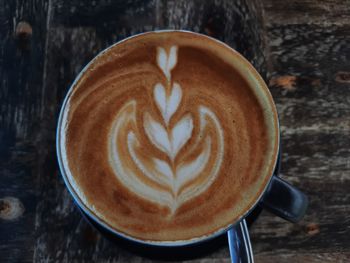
168	136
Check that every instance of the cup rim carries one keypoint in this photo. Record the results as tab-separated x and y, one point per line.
175	243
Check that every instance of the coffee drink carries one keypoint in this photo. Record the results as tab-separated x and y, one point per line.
168	136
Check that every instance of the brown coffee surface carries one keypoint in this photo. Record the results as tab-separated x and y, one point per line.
164	140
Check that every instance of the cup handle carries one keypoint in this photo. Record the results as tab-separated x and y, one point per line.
284	200
239	243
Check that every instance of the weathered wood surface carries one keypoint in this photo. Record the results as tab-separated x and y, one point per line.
308	69
21	130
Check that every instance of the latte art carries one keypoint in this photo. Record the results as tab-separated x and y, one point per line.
175	176
168	136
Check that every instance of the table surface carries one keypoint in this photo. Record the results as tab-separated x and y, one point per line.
44	44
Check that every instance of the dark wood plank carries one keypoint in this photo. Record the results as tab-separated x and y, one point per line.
301	258
22	48
325	12
318	170
308	58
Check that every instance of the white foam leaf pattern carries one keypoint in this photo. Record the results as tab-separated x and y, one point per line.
178	175
127	176
184	173
173	101
160	98
164	168
167	105
172	59
188	171
157	134
132	144
180	134
211	172
162	60
167	62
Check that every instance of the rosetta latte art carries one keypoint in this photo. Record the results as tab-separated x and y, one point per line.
173	180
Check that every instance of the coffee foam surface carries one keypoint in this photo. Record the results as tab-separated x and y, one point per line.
164	140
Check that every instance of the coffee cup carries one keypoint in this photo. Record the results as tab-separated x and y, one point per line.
171	138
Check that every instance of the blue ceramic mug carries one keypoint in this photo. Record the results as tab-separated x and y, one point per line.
277	196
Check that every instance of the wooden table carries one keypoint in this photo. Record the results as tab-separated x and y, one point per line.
302	48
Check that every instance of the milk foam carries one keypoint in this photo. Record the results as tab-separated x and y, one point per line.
167	104
167	62
176	179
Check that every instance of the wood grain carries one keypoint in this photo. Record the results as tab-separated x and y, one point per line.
326	12
301	47
308	48
301	258
21	76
